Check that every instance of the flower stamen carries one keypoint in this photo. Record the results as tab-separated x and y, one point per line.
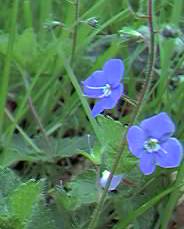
152	145
105	89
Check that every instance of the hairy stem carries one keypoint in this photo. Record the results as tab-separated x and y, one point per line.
142	98
149	74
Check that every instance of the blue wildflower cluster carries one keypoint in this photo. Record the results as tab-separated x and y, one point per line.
151	141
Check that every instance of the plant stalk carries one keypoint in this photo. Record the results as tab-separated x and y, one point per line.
142	98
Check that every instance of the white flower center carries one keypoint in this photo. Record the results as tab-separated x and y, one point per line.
107	90
152	145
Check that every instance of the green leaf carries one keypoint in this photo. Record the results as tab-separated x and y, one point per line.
110	131
7	222
20	150
143	208
8	181
85	186
127	32
82	191
26	47
65	147
42	216
24	199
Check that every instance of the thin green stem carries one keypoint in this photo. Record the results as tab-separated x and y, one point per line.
36	116
25	136
6	72
149	74
96	214
75	32
24	102
174	196
28	13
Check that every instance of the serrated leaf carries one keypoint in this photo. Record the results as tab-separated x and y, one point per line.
61	148
65	147
126	163
24	198
42	216
8	181
84	188
110	131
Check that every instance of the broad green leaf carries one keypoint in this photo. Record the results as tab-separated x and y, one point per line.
8	181
82	191
84	188
24	199
20	150
110	131
42	217
26	47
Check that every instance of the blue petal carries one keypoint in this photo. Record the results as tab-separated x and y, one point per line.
97	79
97	109
158	126
107	102
136	138
116	180
147	163
114	70
170	154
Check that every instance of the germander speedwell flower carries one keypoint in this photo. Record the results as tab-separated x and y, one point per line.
152	143
116	180
105	86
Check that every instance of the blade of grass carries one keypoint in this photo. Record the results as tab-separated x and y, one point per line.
84	103
21	109
6	72
174	196
133	215
28	14
21	131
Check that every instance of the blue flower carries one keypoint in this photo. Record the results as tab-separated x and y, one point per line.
152	143
116	180
105	86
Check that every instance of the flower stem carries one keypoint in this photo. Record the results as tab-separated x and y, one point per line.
143	96
75	32
149	73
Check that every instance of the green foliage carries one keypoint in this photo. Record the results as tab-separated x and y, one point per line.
20	150
8	181
23	204
24	198
111	134
86	187
46	130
